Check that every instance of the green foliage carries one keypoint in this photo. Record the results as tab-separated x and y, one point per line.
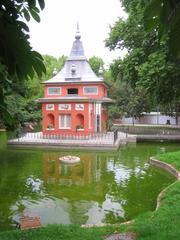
17	59
60	232
164	16
16	53
21	98
51	63
148	64
160	76
115	69
23	110
96	63
128	101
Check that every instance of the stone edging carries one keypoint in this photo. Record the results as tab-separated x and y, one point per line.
105	224
169	168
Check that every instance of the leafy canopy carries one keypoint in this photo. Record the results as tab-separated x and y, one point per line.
148	64
96	63
18	61
16	54
164	17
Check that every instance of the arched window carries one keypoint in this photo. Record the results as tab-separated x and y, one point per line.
50	121
79	121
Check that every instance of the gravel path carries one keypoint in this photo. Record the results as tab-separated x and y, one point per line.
121	236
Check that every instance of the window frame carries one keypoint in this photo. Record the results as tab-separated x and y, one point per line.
72	94
50	94
65	121
85	87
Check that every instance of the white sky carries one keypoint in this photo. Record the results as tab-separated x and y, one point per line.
55	33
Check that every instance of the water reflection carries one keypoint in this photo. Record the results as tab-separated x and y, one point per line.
89	169
102	188
82	187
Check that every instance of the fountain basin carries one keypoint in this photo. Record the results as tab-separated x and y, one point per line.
69	159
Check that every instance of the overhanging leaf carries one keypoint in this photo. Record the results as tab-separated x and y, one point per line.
35	15
41	4
26	14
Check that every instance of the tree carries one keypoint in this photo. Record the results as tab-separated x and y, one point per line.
51	63
24	108
164	17
96	63
129	102
148	64
17	59
16	53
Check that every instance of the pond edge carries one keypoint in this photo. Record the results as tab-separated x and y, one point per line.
157	163
168	168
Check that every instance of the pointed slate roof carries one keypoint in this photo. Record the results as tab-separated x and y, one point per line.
77	50
76	68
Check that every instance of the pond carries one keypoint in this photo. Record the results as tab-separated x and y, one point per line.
105	187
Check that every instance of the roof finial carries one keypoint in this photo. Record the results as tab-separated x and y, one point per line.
77	26
78	35
54	71
100	72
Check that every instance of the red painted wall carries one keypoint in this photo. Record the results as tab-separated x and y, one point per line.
51	117
102	90
75	120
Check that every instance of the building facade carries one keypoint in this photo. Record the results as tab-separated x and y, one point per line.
75	99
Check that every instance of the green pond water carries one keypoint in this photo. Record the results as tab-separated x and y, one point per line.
106	187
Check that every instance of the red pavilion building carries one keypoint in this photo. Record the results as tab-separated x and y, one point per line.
75	98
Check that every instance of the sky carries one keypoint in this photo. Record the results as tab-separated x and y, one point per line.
55	33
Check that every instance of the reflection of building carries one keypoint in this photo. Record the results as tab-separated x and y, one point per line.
75	98
86	171
84	189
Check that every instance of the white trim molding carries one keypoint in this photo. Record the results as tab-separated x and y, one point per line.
64	107
49	107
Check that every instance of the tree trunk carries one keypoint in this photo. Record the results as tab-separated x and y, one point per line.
133	120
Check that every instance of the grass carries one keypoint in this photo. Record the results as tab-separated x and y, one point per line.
172	158
163	224
60	232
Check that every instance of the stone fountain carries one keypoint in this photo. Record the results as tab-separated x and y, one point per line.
69	159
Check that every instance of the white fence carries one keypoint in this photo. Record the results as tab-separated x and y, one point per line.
109	138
